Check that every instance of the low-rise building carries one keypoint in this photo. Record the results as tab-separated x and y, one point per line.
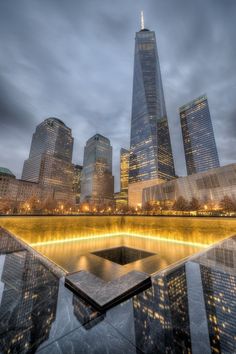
27	190
8	184
121	200
16	191
211	185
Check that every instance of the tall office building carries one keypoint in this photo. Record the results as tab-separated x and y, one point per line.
124	171
198	136
77	169
97	182
50	158
151	157
121	198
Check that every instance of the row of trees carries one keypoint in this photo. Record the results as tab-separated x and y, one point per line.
227	204
49	205
34	206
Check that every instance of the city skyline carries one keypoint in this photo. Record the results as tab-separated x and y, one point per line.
30	72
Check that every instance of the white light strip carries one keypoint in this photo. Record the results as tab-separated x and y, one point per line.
94	237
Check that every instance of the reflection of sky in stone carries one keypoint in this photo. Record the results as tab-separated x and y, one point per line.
75	61
2	261
65	318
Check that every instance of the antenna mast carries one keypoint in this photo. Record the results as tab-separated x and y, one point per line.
142	20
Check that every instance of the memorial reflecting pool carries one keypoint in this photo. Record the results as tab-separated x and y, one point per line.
69	241
189	307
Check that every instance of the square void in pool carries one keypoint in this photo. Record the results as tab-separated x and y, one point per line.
123	255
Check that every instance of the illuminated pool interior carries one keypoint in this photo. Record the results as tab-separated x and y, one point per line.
72	242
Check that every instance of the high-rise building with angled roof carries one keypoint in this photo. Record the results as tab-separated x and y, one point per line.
50	158
97	182
151	158
198	136
124	171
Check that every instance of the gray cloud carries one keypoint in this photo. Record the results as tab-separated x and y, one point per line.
74	60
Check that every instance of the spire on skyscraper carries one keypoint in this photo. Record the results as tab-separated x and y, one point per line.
142	20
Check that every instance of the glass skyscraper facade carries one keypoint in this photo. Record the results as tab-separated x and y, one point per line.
50	158
97	182
124	171
121	198
198	136
150	146
77	182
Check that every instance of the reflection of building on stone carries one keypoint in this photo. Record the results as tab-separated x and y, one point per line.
85	313
197	310
8	244
97	182
150	147
161	314
178	302
77	182
218	273
28	303
220	300
152	327
212	185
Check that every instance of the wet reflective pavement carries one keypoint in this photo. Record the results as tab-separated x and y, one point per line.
190	308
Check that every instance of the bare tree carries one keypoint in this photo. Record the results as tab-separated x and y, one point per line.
147	206
49	204
194	204
227	204
34	204
5	206
180	204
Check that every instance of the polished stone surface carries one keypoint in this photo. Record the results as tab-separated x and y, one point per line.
190	307
104	295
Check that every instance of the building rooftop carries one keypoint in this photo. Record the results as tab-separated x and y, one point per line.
56	120
193	102
99	137
6	171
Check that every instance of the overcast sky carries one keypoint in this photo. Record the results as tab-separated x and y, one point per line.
74	60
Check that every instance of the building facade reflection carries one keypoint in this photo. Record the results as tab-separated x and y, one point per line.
190	306
172	317
28	302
